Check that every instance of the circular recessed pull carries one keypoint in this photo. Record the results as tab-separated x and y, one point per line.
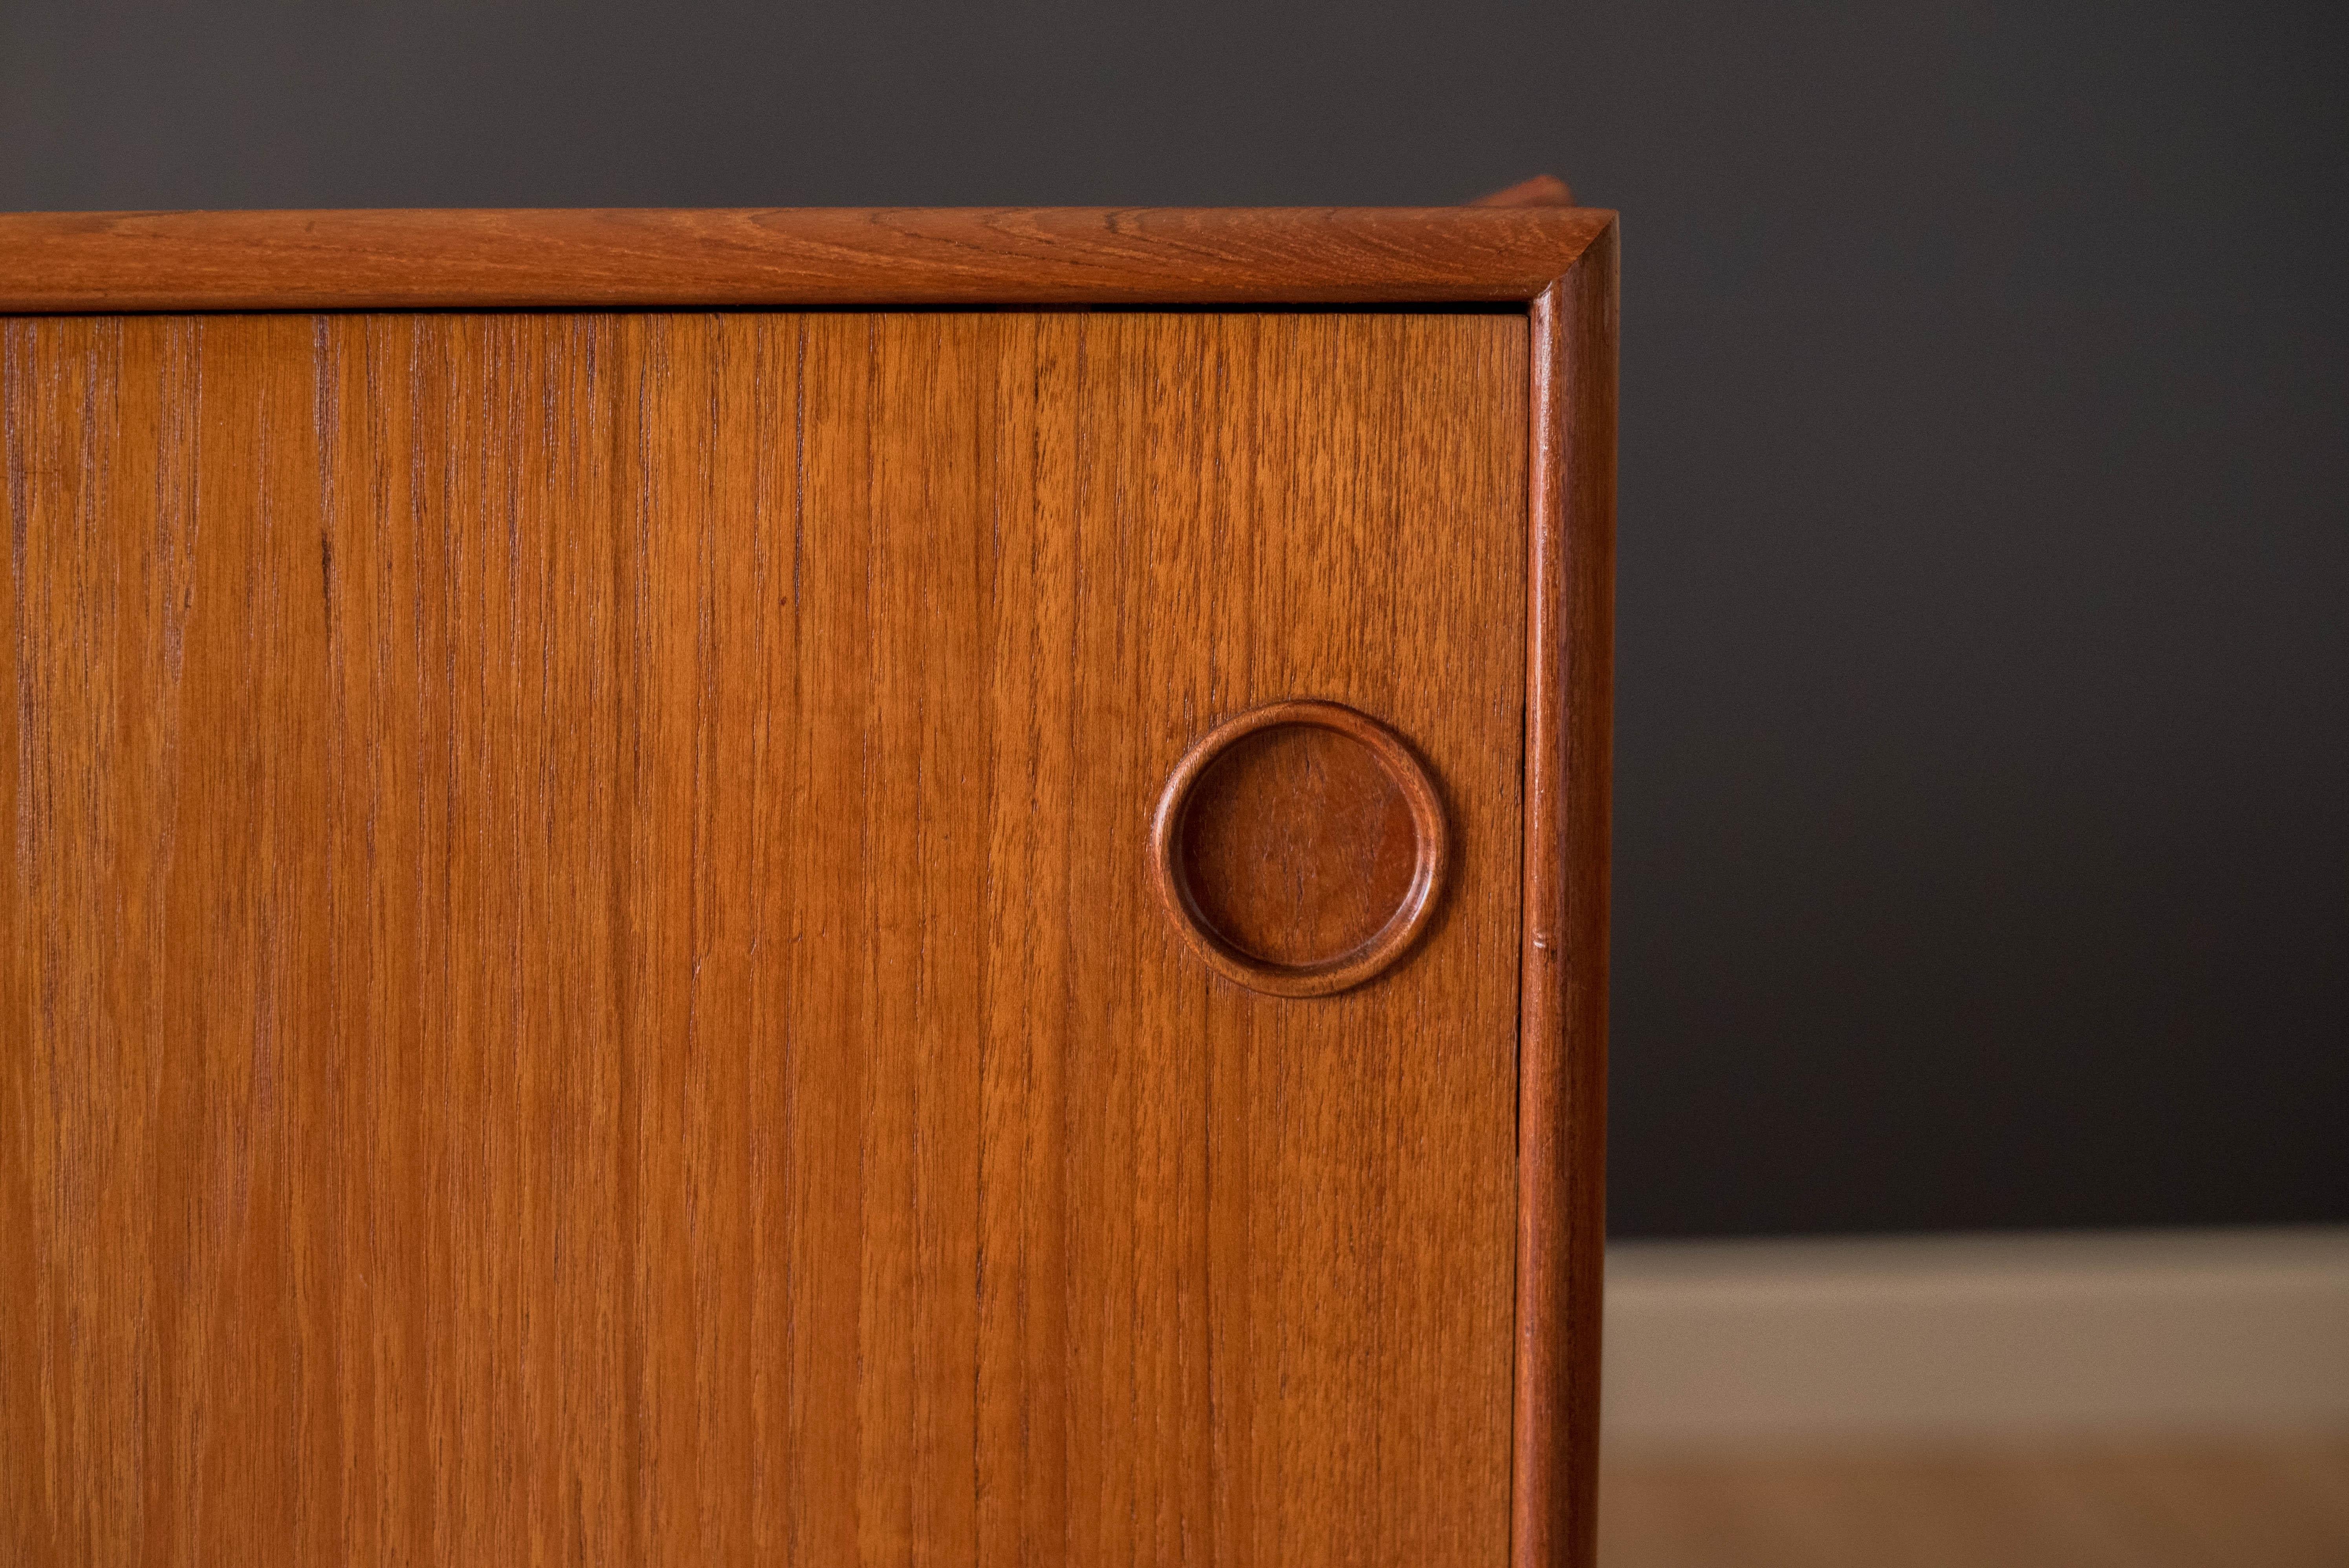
1299	848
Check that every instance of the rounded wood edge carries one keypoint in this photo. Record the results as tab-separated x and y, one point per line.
1431	829
783	258
1562	1028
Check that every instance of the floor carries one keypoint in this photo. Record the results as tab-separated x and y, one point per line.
2267	1503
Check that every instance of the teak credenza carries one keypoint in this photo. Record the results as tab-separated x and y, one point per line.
805	887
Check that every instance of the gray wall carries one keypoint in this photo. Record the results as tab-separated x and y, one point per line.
1984	736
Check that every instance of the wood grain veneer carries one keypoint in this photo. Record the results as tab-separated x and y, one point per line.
580	975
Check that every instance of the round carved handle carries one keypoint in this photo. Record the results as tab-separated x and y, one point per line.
1299	848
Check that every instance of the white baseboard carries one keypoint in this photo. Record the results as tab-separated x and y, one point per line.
2113	1333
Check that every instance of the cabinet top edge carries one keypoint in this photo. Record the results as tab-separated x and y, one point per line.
615	258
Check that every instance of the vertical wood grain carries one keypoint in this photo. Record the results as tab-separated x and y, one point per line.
581	980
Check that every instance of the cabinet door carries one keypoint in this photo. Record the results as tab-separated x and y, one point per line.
582	974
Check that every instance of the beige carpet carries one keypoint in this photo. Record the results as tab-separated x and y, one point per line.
2265	1502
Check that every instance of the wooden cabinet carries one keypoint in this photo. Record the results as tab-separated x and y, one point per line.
658	908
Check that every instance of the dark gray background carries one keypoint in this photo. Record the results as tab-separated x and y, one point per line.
1984	700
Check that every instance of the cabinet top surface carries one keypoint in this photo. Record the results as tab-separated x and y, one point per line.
776	257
